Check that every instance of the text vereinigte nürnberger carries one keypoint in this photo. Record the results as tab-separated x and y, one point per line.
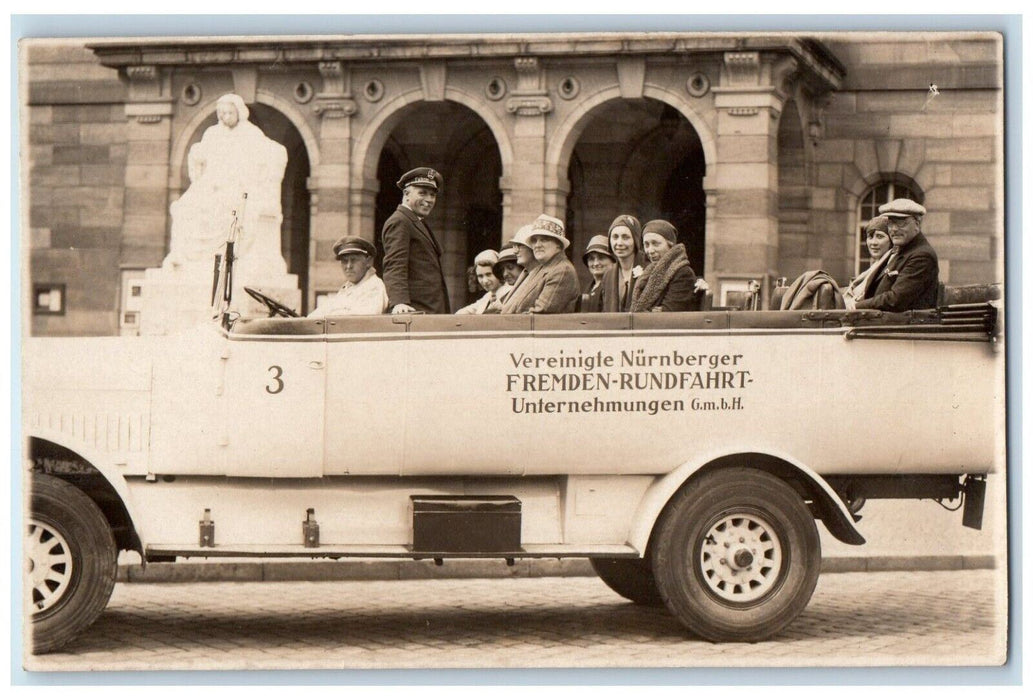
537	383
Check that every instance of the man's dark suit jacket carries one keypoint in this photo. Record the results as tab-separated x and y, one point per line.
908	282
412	264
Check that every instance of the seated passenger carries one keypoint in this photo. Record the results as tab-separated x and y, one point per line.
363	293
552	288
877	238
668	282
912	271
507	268
625	237
492	286
598	258
527	263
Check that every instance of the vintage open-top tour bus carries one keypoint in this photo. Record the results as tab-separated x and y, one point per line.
688	455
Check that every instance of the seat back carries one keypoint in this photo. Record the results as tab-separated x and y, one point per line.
967	294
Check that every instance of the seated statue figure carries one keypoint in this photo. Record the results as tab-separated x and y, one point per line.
233	157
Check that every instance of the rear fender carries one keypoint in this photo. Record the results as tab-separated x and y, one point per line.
828	505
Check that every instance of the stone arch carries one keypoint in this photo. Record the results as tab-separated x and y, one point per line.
644	154
184	139
564	138
862	182
366	152
467	215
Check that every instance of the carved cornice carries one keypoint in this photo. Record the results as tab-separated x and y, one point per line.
821	69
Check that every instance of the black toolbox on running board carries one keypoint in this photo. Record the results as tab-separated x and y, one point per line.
465	523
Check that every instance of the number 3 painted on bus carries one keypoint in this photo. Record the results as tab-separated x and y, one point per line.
276	378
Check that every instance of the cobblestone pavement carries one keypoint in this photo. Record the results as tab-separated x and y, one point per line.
894	618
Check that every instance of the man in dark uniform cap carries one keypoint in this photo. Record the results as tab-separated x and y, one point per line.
412	255
911	275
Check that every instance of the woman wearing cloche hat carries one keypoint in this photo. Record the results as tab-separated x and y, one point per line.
552	287
598	258
668	282
625	237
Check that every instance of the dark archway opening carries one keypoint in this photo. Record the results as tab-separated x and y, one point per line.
639	157
467	218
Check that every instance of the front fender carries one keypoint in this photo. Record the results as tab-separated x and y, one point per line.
835	514
102	461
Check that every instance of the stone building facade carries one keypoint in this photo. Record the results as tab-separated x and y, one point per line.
768	152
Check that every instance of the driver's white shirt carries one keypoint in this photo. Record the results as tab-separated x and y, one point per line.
367	297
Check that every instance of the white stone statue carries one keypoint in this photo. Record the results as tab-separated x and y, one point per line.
232	158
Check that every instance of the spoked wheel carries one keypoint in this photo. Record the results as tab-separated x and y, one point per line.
737	555
49	565
630	578
70	563
275	307
741	557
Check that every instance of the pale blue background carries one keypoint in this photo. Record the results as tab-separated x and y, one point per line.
159	25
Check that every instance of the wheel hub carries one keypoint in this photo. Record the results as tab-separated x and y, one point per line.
48	566
741	558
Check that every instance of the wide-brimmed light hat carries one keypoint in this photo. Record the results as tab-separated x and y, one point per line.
550	226
521	236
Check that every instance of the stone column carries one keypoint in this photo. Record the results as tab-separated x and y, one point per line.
526	192
743	240
148	110
329	181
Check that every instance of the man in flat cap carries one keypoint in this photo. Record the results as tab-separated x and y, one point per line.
412	255
363	292
910	277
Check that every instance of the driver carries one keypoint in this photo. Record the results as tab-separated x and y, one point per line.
363	292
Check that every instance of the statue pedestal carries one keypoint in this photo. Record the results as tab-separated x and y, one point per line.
178	297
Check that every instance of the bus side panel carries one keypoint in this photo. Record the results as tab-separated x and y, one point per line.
609	404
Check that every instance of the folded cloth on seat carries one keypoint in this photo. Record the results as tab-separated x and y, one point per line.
814	289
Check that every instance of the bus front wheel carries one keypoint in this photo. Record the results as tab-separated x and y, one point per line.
70	562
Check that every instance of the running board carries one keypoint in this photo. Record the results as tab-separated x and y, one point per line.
528	551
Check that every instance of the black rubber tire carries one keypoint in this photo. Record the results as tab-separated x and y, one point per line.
629	578
69	512
678	547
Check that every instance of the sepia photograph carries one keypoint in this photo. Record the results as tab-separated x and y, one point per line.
510	350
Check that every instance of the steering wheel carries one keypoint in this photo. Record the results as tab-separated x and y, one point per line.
275	307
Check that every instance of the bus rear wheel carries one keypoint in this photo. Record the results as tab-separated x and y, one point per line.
737	555
70	563
629	578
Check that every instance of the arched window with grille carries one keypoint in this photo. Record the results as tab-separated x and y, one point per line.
890	188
